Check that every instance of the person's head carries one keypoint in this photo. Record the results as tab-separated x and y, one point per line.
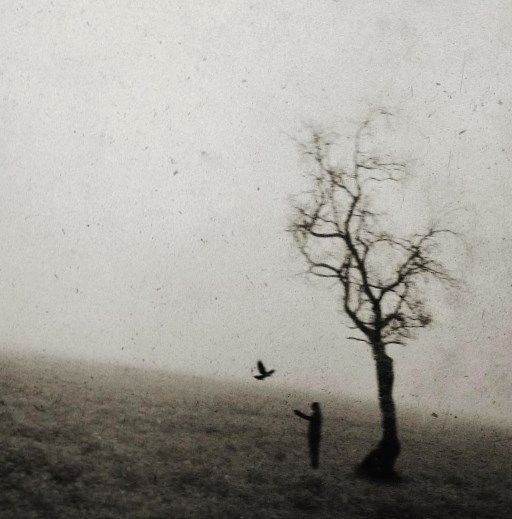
315	406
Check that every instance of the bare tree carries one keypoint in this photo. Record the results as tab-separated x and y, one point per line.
381	275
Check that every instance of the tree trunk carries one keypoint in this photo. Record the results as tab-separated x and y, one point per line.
380	462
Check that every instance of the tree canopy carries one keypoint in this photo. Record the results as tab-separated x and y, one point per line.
342	237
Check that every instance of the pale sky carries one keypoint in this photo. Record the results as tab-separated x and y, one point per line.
147	157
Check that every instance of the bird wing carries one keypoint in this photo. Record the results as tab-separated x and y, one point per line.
261	367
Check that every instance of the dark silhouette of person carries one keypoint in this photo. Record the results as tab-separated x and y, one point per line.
314	432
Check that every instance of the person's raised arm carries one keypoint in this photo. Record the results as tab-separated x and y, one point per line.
301	415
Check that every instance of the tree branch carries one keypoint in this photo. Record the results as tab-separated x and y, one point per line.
339	211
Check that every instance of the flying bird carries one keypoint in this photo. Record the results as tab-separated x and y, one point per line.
263	371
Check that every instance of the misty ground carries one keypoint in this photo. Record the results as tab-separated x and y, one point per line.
99	441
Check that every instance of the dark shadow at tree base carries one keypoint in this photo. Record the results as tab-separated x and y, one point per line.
383	478
379	464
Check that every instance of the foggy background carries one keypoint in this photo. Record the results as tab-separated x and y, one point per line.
147	157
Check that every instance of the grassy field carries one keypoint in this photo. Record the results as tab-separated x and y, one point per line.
104	442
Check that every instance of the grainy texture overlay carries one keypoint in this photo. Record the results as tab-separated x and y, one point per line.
194	186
